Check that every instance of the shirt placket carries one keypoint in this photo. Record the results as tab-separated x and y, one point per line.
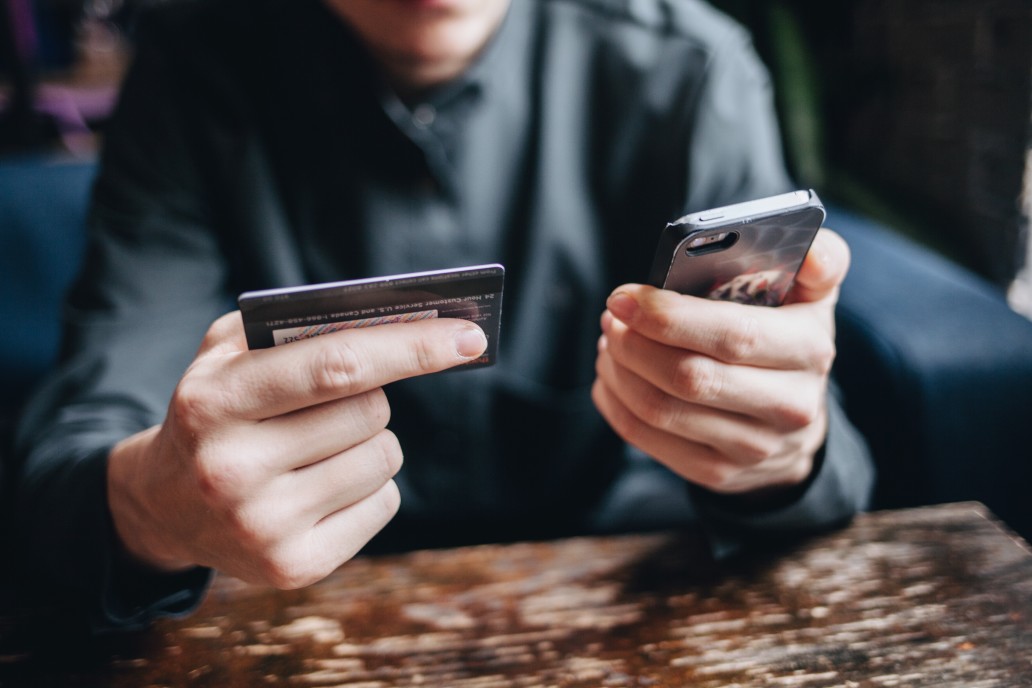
428	231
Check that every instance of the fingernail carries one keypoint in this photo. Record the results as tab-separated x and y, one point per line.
470	342
622	305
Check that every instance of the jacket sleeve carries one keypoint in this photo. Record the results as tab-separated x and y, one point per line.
839	487
735	143
736	155
153	280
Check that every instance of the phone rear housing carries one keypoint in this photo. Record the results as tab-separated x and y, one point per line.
747	253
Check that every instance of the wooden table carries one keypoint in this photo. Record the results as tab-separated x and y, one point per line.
940	596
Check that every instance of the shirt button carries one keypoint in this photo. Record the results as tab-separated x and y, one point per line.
424	115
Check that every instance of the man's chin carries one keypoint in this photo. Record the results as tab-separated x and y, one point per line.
436	37
418	69
445	42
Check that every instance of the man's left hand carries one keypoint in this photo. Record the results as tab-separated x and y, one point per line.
731	397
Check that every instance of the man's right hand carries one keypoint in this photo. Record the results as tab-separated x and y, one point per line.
275	466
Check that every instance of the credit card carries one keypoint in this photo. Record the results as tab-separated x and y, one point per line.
274	317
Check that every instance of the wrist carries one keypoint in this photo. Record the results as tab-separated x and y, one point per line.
127	481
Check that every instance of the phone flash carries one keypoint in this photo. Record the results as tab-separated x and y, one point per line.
704	240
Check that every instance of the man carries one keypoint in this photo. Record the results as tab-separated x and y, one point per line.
269	143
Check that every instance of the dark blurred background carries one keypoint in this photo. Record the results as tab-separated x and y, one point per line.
61	62
918	112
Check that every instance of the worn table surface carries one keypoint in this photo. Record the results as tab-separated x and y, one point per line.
940	596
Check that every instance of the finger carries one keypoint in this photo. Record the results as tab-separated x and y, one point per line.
345	479
787	399
787	338
309	435
340	536
691	460
743	440
304	557
226	335
823	269
270	382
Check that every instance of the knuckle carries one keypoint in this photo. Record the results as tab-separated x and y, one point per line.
740	340
425	356
752	449
217	477
389	455
220	330
663	320
254	528
283	569
824	355
656	409
389	500
697	378
720	477
339	369
194	403
629	428
212	338
306	558
799	472
797	414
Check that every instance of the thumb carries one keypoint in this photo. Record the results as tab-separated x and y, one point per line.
226	335
823	269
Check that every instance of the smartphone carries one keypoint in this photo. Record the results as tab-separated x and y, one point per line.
747	252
